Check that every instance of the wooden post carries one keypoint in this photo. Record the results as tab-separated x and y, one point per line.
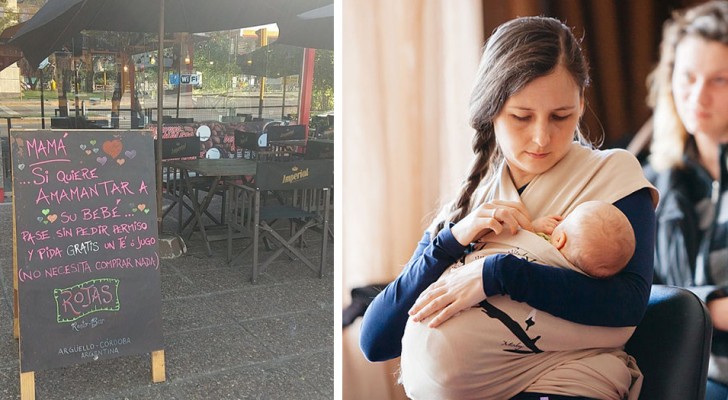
16	322
27	385
158	366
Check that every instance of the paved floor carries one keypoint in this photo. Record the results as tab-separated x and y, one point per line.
225	338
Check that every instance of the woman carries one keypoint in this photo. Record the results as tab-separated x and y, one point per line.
525	108
689	94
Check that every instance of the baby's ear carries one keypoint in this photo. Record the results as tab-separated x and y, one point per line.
558	238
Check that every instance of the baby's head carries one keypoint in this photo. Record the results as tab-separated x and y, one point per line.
597	238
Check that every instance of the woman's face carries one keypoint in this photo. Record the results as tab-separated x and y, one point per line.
536	125
700	87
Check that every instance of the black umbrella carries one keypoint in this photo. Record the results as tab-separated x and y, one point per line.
313	29
59	20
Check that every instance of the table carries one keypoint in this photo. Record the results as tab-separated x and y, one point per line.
214	172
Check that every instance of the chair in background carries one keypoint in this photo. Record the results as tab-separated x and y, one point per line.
267	124
319	150
672	345
292	182
174	187
175	184
286	132
287	141
247	143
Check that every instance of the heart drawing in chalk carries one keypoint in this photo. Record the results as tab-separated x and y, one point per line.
112	147
120	161
101	160
130	154
141	207
88	152
52	217
21	166
40	219
146	211
83	147
45	211
93	142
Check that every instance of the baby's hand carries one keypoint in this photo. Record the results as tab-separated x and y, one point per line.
546	224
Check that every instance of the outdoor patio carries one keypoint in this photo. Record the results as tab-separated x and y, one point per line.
225	338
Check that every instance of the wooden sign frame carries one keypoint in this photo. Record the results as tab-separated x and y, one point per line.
112	168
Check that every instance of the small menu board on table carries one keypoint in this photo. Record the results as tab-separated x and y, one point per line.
87	253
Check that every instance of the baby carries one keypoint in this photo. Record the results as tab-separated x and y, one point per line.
596	237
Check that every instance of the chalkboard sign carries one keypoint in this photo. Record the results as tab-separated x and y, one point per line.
86	237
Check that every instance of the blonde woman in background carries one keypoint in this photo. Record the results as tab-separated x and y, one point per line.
689	94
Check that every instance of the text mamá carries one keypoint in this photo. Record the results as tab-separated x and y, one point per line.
44	148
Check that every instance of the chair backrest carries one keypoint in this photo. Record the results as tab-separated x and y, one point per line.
246	140
672	345
318	150
180	147
289	175
286	132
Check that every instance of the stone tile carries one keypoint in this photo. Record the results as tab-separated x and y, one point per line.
8	344
260	302
313	293
260	381
176	285
316	370
211	349
10	378
100	379
193	312
296	333
218	279
162	390
279	299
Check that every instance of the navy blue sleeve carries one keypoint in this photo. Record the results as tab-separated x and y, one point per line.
385	319
617	301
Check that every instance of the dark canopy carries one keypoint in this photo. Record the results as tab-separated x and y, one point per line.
59	20
312	29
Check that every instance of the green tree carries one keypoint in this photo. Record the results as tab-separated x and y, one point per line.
215	60
323	81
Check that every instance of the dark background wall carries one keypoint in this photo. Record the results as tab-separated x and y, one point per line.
621	39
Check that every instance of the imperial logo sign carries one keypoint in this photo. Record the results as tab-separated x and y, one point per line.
295	175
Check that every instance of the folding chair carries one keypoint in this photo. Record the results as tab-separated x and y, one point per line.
292	183
174	189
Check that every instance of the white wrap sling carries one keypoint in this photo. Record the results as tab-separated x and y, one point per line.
512	347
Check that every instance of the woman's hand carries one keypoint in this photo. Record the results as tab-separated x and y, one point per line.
718	309
459	289
494	216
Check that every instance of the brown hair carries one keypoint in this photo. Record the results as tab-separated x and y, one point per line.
518	52
708	21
